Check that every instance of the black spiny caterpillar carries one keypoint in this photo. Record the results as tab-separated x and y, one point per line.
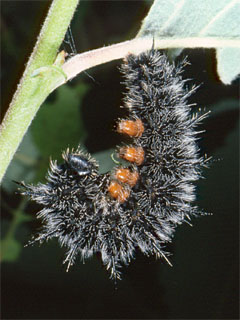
133	207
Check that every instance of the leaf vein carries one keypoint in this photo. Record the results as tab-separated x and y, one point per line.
217	16
178	7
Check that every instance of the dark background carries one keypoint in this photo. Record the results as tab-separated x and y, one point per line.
204	280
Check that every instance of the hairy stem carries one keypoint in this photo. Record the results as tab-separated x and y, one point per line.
38	80
95	57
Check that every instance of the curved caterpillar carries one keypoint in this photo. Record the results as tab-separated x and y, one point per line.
136	207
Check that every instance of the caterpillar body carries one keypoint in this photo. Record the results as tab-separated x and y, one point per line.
137	206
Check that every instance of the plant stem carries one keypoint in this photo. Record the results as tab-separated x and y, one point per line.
92	58
33	89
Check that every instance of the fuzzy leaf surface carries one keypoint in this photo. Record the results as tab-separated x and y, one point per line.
193	18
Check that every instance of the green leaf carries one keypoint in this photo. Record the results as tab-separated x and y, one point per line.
194	18
10	249
228	65
58	124
105	160
23	165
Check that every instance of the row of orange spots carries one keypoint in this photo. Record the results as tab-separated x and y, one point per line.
124	175
132	154
132	128
118	192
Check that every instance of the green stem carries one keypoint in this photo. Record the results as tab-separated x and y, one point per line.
39	79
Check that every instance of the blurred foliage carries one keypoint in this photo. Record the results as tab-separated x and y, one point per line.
202	283
58	124
10	246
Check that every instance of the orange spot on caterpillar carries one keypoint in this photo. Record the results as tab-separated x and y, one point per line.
132	154
118	192
124	175
131	128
